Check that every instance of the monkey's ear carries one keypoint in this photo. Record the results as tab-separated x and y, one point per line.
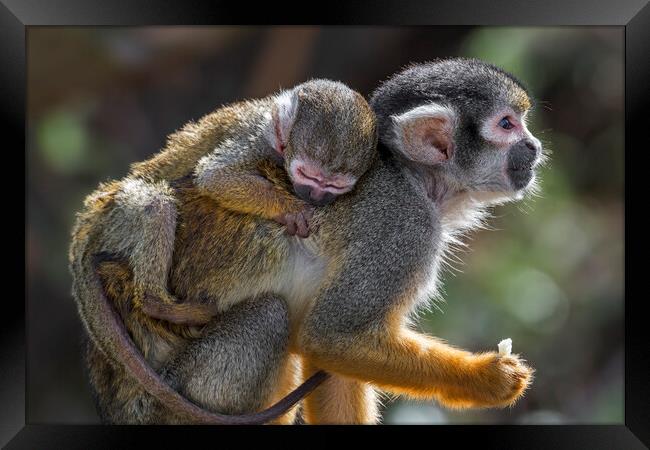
283	114
425	134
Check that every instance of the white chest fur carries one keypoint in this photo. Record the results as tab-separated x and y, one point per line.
297	280
301	276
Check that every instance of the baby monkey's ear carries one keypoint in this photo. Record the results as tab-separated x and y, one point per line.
283	114
425	134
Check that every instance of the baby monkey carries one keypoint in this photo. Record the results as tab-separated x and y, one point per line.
321	135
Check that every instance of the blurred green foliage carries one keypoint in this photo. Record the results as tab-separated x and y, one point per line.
548	273
63	142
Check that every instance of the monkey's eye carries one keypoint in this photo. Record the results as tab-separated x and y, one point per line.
506	124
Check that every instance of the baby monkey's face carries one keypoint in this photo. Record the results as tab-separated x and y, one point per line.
313	183
332	142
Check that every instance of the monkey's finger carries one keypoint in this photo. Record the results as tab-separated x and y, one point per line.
291	226
308	213
302	226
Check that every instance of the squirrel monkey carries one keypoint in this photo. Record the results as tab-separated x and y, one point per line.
321	133
453	141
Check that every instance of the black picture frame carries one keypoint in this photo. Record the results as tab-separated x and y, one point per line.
633	15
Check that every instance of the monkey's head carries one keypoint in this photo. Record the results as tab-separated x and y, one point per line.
463	122
326	134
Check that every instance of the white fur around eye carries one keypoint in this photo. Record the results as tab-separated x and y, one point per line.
492	132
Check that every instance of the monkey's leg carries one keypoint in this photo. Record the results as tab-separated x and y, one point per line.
142	227
402	361
235	366
289	380
340	400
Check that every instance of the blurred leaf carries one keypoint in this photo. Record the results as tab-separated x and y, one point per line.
63	141
505	47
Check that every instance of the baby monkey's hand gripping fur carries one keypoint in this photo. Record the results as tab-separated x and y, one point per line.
321	133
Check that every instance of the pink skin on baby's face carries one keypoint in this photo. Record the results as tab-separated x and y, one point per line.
314	185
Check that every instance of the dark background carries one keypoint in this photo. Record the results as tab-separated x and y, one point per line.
549	275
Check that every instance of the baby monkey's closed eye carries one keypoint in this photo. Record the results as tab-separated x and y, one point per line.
313	185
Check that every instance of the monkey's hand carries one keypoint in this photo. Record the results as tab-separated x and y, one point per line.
298	223
490	380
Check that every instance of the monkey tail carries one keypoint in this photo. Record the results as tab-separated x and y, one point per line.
108	331
137	366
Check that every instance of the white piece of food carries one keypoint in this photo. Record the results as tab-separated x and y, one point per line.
505	347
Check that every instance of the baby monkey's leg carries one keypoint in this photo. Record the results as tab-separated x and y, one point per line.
142	227
235	367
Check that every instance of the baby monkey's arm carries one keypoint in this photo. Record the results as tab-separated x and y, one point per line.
254	185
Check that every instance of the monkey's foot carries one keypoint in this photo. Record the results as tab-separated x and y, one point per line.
164	306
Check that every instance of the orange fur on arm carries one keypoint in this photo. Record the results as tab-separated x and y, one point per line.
246	185
402	361
253	194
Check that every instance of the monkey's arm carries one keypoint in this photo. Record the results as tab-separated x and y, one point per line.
240	184
405	362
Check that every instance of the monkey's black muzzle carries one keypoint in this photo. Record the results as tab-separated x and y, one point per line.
521	160
311	195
